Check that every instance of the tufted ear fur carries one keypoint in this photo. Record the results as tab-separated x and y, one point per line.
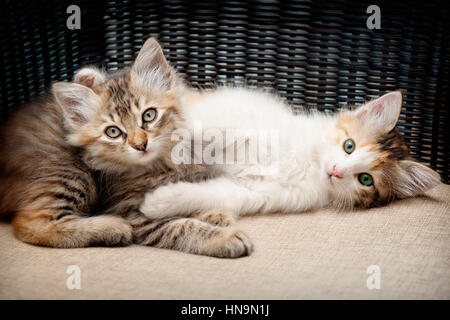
90	76
151	69
381	114
78	102
415	179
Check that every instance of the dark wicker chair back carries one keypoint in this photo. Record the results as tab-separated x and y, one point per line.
313	53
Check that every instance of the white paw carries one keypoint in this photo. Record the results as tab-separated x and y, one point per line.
161	203
113	231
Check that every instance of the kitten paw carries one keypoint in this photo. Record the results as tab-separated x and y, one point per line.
233	243
217	217
115	232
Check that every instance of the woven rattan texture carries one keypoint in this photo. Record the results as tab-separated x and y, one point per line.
313	53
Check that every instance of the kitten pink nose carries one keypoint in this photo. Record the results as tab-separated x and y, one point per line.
336	173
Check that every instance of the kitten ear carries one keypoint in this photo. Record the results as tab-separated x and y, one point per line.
382	113
90	76
415	179
79	103
151	69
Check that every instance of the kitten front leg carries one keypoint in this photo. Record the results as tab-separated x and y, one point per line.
191	235
187	199
217	217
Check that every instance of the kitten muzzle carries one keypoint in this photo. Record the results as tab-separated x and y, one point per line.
336	173
140	147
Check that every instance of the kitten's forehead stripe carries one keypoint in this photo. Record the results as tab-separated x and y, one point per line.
119	96
122	102
136	104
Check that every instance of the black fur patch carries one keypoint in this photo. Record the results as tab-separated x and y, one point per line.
394	145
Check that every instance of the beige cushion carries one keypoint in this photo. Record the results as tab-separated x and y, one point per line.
313	255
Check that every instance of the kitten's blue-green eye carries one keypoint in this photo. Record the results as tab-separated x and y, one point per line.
113	132
149	115
365	179
349	146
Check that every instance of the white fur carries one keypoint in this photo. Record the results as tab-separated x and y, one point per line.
298	182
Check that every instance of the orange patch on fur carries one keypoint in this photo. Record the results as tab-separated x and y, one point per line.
381	160
353	128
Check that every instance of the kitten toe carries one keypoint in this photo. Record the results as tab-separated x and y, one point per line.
233	243
217	217
116	232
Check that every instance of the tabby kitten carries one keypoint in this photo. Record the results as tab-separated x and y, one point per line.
75	165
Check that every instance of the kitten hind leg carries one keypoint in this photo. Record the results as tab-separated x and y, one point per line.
71	231
50	210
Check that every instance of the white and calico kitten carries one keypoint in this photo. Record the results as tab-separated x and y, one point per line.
354	158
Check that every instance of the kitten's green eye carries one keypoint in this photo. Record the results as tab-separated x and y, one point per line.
365	179
149	115
113	132
349	146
